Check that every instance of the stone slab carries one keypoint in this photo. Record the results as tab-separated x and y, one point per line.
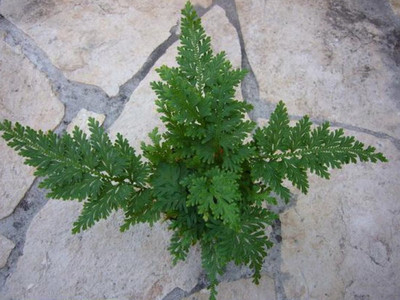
395	6
100	263
103	42
6	247
322	59
25	97
340	240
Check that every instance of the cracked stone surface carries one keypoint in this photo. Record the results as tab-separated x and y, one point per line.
325	59
334	60
339	240
395	6
5	249
93	32
243	289
25	97
100	263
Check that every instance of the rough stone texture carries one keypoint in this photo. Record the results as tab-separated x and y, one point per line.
101	263
103	42
243	289
5	249
395	6
82	118
26	97
340	241
139	116
325	59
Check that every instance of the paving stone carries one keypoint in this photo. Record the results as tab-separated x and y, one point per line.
82	118
340	240
101	263
395	6
6	247
139	116
243	289
103	42
323	60
25	97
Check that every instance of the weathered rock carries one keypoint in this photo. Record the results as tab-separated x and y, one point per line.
395	5
340	240
82	118
6	247
101	263
323	60
26	97
139	116
243	289
103	42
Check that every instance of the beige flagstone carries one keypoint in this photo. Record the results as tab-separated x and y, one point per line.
97	42
25	97
322	61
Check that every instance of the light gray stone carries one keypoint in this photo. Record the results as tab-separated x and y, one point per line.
100	263
243	289
340	240
6	247
322	60
25	97
82	118
103	42
395	6
139	116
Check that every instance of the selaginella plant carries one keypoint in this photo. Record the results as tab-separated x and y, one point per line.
211	173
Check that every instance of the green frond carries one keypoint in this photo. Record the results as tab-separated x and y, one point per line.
287	152
94	170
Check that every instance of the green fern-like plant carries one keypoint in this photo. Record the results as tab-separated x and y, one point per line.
208	174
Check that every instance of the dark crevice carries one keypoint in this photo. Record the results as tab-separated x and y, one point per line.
175	294
249	86
15	226
129	87
76	95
